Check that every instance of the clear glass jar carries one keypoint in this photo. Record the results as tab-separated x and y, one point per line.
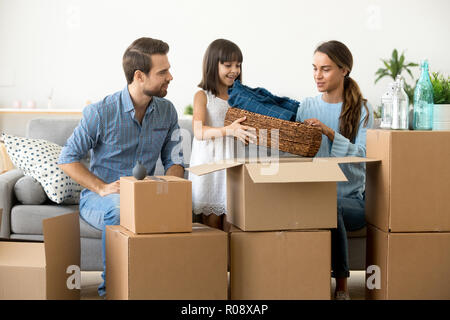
400	106
386	107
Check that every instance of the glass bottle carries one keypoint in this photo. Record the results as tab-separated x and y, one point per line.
423	101
400	106
386	107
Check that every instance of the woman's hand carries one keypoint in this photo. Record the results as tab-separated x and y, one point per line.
325	130
236	129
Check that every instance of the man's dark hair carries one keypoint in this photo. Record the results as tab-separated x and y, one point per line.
138	56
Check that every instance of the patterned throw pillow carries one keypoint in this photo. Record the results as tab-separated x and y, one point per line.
38	158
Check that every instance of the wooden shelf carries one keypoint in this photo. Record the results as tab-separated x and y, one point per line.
42	111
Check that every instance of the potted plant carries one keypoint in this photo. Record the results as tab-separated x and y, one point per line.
188	111
395	66
441	96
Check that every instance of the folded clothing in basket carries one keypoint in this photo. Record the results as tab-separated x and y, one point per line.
261	101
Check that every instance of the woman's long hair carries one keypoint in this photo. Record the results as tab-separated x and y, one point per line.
353	99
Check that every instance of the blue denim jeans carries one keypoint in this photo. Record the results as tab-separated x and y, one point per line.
100	212
351	217
260	100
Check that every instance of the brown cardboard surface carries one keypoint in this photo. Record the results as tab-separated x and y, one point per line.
62	249
31	270
22	254
280	265
413	265
151	206
279	206
22	283
171	266
346	160
213	167
295	172
408	191
116	251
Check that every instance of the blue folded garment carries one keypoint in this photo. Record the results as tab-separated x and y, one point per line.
261	101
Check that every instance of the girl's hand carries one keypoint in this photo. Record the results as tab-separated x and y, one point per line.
240	131
325	130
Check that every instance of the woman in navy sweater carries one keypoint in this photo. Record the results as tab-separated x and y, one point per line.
343	115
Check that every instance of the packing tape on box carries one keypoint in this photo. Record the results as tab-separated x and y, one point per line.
162	187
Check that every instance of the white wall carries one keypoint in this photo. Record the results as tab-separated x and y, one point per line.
76	47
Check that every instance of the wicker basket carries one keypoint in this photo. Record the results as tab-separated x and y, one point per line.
294	137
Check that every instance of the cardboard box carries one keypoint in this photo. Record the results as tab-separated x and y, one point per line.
156	204
412	265
174	266
292	194
280	265
409	190
36	270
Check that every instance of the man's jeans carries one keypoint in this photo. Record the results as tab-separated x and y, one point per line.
351	217
100	212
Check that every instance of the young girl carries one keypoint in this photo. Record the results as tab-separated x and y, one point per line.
212	140
343	115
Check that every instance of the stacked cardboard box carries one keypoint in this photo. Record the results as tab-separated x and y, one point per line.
408	209
280	247
156	252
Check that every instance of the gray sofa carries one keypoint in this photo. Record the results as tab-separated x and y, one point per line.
24	222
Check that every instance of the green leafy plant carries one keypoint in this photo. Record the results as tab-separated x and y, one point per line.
441	88
394	67
189	110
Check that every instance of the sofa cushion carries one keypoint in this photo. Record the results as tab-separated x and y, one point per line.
53	130
27	219
38	158
29	191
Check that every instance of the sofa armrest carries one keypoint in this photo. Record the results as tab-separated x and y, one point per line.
8	198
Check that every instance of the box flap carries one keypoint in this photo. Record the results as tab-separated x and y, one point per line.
155	179
22	254
346	159
295	172
212	167
62	249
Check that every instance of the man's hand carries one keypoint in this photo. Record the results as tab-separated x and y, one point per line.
87	179
175	170
110	188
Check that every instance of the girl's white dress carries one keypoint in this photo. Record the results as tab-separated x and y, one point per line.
209	192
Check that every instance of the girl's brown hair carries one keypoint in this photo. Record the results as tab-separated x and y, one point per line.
353	99
219	50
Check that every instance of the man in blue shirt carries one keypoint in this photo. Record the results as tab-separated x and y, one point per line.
135	124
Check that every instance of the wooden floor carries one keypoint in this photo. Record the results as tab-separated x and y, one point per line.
91	279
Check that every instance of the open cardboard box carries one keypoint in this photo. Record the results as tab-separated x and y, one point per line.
36	270
281	194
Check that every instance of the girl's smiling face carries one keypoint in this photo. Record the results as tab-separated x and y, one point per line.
228	72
